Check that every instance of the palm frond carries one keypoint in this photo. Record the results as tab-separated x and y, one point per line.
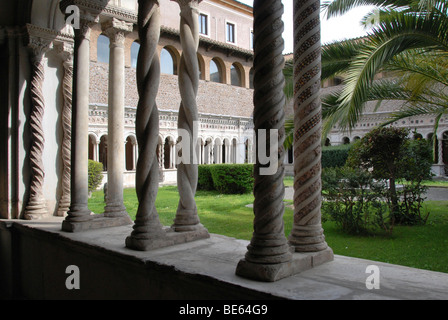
340	7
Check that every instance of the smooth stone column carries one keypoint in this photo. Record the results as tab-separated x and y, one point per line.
79	211
116	31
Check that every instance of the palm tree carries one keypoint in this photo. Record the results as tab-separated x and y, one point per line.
409	41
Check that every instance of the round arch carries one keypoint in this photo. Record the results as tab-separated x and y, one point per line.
169	60
217	70
237	74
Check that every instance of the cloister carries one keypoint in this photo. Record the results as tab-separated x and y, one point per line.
46	224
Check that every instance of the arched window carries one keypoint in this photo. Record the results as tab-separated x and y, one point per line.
167	62
235	76
135	48
215	72
102	49
103	152
130	153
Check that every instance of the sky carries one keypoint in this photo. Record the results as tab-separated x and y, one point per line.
339	28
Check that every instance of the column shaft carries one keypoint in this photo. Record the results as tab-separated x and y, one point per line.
116	147
79	211
36	207
67	86
268	252
148	231
307	233
187	173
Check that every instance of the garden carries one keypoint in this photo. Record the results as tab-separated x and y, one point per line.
361	216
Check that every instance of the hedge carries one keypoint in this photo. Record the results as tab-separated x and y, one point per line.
335	157
205	180
226	178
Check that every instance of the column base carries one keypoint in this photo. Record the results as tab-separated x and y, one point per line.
36	210
169	238
273	272
98	221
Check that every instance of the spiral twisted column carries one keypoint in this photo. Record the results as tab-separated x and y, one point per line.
147	229
268	250
36	206
67	85
307	233
187	171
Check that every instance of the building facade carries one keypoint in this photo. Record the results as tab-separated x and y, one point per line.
225	101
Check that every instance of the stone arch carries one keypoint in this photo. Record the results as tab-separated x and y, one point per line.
169	152
345	140
130	152
102	48
102	151
169	60
217	70
93	146
248	150
237	74
208	150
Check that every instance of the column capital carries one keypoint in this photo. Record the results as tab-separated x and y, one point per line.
188	4
65	50
38	42
116	31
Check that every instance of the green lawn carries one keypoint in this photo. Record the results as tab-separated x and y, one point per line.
424	247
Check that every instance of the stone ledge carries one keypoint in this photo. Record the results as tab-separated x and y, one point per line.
203	269
273	272
98	221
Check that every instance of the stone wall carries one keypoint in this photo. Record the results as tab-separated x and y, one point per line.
213	98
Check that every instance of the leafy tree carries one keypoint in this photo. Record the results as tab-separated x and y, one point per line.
389	154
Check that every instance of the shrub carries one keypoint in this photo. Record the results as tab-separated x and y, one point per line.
95	175
389	154
335	157
353	201
205	180
232	178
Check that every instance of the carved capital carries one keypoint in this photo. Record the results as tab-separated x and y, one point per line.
65	50
188	5
116	31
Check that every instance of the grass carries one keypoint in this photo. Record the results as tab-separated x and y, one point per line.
424	247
